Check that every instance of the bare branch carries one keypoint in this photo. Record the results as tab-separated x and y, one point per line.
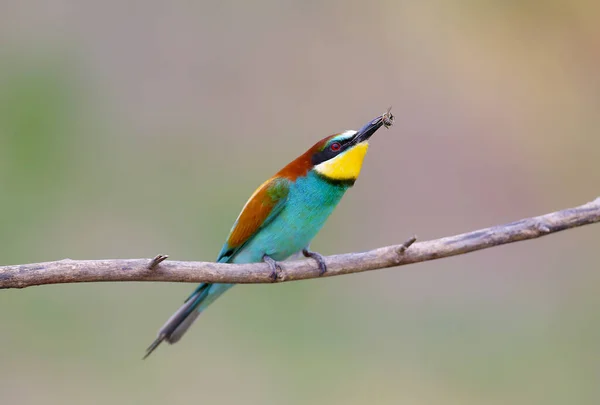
76	271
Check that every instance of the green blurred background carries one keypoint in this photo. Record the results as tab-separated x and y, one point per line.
129	129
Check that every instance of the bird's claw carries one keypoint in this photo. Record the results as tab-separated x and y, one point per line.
274	266
318	258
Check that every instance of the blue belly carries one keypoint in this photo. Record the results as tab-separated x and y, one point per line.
310	202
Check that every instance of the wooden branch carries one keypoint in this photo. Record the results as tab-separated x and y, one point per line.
156	269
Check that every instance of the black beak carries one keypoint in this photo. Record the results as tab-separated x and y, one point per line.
368	130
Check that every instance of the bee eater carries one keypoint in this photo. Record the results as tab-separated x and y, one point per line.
283	215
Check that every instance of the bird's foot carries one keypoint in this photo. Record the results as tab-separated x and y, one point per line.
275	267
319	258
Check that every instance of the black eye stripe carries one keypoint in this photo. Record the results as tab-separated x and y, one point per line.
327	152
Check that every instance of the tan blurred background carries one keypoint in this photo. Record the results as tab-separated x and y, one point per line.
129	129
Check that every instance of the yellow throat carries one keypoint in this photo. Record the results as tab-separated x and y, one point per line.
345	166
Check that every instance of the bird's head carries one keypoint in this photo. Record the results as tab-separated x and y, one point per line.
338	158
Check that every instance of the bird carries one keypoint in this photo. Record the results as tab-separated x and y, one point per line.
283	215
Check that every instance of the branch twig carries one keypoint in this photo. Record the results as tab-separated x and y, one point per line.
158	259
76	271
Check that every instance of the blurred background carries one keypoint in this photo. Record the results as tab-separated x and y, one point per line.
137	128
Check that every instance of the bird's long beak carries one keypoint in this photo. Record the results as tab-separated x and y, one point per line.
371	127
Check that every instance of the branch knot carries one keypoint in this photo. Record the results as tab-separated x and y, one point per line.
402	248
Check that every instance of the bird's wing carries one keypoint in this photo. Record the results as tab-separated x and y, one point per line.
261	208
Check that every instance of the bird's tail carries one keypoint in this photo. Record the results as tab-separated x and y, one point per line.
183	318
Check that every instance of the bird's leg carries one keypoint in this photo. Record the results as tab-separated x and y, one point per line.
318	257
275	267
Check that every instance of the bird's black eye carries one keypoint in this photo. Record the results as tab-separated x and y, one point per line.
335	146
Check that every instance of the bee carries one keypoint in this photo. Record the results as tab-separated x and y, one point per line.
388	118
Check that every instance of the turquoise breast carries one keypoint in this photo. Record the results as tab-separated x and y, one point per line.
311	200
